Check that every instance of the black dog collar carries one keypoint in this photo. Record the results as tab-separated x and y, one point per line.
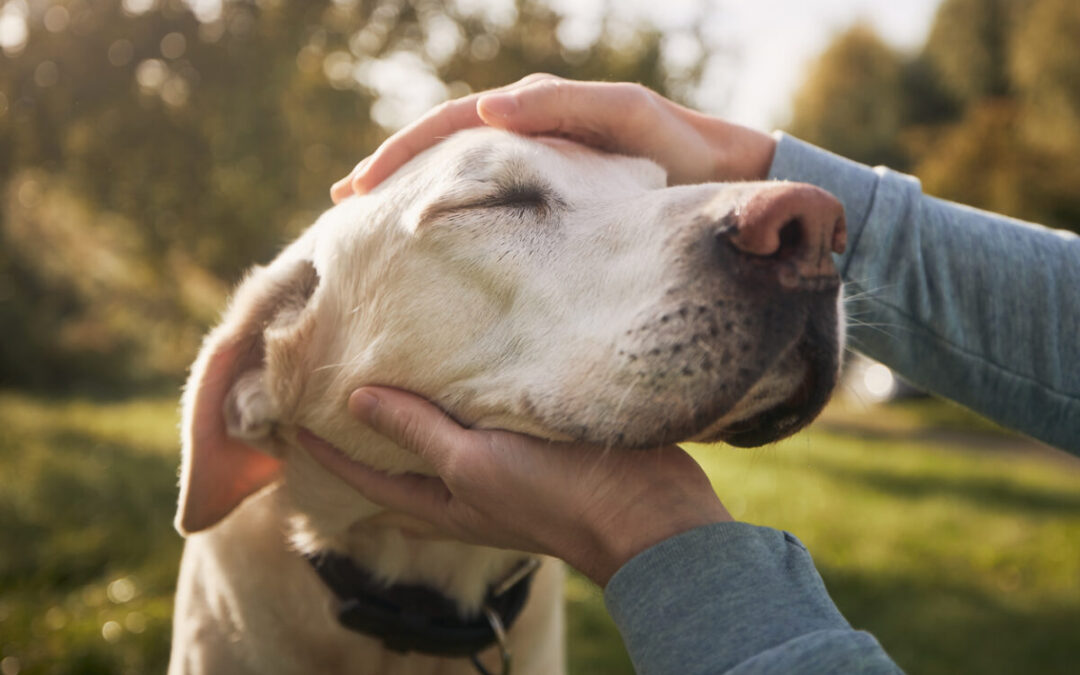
417	618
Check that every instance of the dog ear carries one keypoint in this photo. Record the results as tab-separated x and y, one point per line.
227	407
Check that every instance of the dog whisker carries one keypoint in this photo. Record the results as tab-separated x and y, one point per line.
863	293
883	328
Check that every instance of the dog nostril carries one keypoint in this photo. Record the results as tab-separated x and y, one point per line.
791	236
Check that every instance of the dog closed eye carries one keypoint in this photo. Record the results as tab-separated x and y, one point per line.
520	196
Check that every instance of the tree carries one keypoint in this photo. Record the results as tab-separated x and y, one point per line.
852	100
187	144
1045	65
969	46
987	113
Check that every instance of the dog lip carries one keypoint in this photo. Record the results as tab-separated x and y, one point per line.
778	422
793	413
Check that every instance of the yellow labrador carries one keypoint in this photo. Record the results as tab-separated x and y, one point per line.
525	284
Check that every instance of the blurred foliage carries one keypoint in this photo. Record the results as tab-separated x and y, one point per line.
88	557
854	99
150	150
987	113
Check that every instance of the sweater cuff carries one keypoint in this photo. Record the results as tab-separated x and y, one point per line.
744	589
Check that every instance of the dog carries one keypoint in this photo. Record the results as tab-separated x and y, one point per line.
527	284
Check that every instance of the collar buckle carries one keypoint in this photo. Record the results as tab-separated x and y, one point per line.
516	576
505	657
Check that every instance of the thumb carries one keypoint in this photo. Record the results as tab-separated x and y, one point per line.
410	422
599	113
424	497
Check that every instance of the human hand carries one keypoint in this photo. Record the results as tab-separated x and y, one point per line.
594	507
616	117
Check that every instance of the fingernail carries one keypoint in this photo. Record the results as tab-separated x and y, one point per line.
499	104
362	404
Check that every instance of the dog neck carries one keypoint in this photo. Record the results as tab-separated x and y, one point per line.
327	515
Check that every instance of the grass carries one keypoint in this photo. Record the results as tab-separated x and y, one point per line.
958	549
88	558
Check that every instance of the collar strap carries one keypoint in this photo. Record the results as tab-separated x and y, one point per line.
415	617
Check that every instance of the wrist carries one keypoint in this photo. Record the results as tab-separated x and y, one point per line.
617	543
739	153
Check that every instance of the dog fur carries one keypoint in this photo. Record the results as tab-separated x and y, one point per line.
532	285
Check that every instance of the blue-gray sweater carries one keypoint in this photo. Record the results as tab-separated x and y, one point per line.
977	307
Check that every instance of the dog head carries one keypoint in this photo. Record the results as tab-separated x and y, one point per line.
525	284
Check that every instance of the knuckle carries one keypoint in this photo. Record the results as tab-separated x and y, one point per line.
635	96
538	77
555	96
634	90
441	109
465	462
493	444
556	87
452	471
409	430
561	88
639	102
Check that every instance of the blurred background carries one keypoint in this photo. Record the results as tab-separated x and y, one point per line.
151	150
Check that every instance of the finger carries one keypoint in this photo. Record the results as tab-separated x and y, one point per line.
410	141
437	124
343	188
412	423
590	111
424	497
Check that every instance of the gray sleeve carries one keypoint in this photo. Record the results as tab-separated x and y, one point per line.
738	599
976	307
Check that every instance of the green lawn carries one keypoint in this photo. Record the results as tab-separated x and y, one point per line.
959	549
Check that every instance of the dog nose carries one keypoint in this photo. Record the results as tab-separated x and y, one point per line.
795	225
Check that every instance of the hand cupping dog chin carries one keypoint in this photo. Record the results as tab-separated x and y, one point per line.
590	506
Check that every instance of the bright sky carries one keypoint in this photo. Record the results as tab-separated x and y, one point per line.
778	40
763	47
773	41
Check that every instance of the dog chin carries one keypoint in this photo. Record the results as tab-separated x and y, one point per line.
758	419
779	421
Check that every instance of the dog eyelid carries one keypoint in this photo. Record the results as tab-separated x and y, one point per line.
532	196
522	196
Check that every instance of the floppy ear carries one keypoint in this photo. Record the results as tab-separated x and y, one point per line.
227	406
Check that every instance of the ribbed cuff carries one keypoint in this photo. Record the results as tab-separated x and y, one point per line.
715	596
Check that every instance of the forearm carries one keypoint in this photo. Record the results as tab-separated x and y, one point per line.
974	306
732	598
